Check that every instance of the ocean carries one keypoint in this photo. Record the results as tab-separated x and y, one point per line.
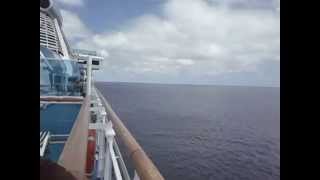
203	132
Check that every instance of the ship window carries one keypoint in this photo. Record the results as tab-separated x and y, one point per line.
95	62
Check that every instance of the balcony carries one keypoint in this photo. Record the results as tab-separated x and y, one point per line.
60	78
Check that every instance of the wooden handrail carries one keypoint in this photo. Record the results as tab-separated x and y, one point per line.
73	156
142	164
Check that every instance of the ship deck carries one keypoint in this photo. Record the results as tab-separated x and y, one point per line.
58	119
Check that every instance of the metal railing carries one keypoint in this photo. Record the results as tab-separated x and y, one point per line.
85	52
44	141
65	99
122	165
143	165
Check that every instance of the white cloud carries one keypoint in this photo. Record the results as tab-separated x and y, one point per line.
193	37
73	27
185	61
104	53
71	2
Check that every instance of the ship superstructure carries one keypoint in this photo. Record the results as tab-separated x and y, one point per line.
78	127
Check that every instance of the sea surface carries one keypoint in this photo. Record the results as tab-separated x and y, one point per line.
196	132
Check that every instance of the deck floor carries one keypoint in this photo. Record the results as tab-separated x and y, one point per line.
58	119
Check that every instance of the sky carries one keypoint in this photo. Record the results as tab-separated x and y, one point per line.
225	42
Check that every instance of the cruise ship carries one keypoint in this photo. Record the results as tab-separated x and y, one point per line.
79	131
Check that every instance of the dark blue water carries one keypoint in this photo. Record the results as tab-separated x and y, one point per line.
203	132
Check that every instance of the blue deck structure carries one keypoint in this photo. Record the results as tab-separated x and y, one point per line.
58	119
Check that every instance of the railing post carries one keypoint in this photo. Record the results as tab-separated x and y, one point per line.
89	75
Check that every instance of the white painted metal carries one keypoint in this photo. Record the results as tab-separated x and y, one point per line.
125	174
109	132
109	157
41	55
108	165
103	115
114	160
99	103
59	102
101	153
97	109
48	33
98	126
82	55
62	41
102	157
44	144
61	98
89	76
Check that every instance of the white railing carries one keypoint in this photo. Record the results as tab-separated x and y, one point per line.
122	165
107	150
144	167
114	160
109	159
44	140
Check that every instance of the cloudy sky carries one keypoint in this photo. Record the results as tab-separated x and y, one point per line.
230	42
